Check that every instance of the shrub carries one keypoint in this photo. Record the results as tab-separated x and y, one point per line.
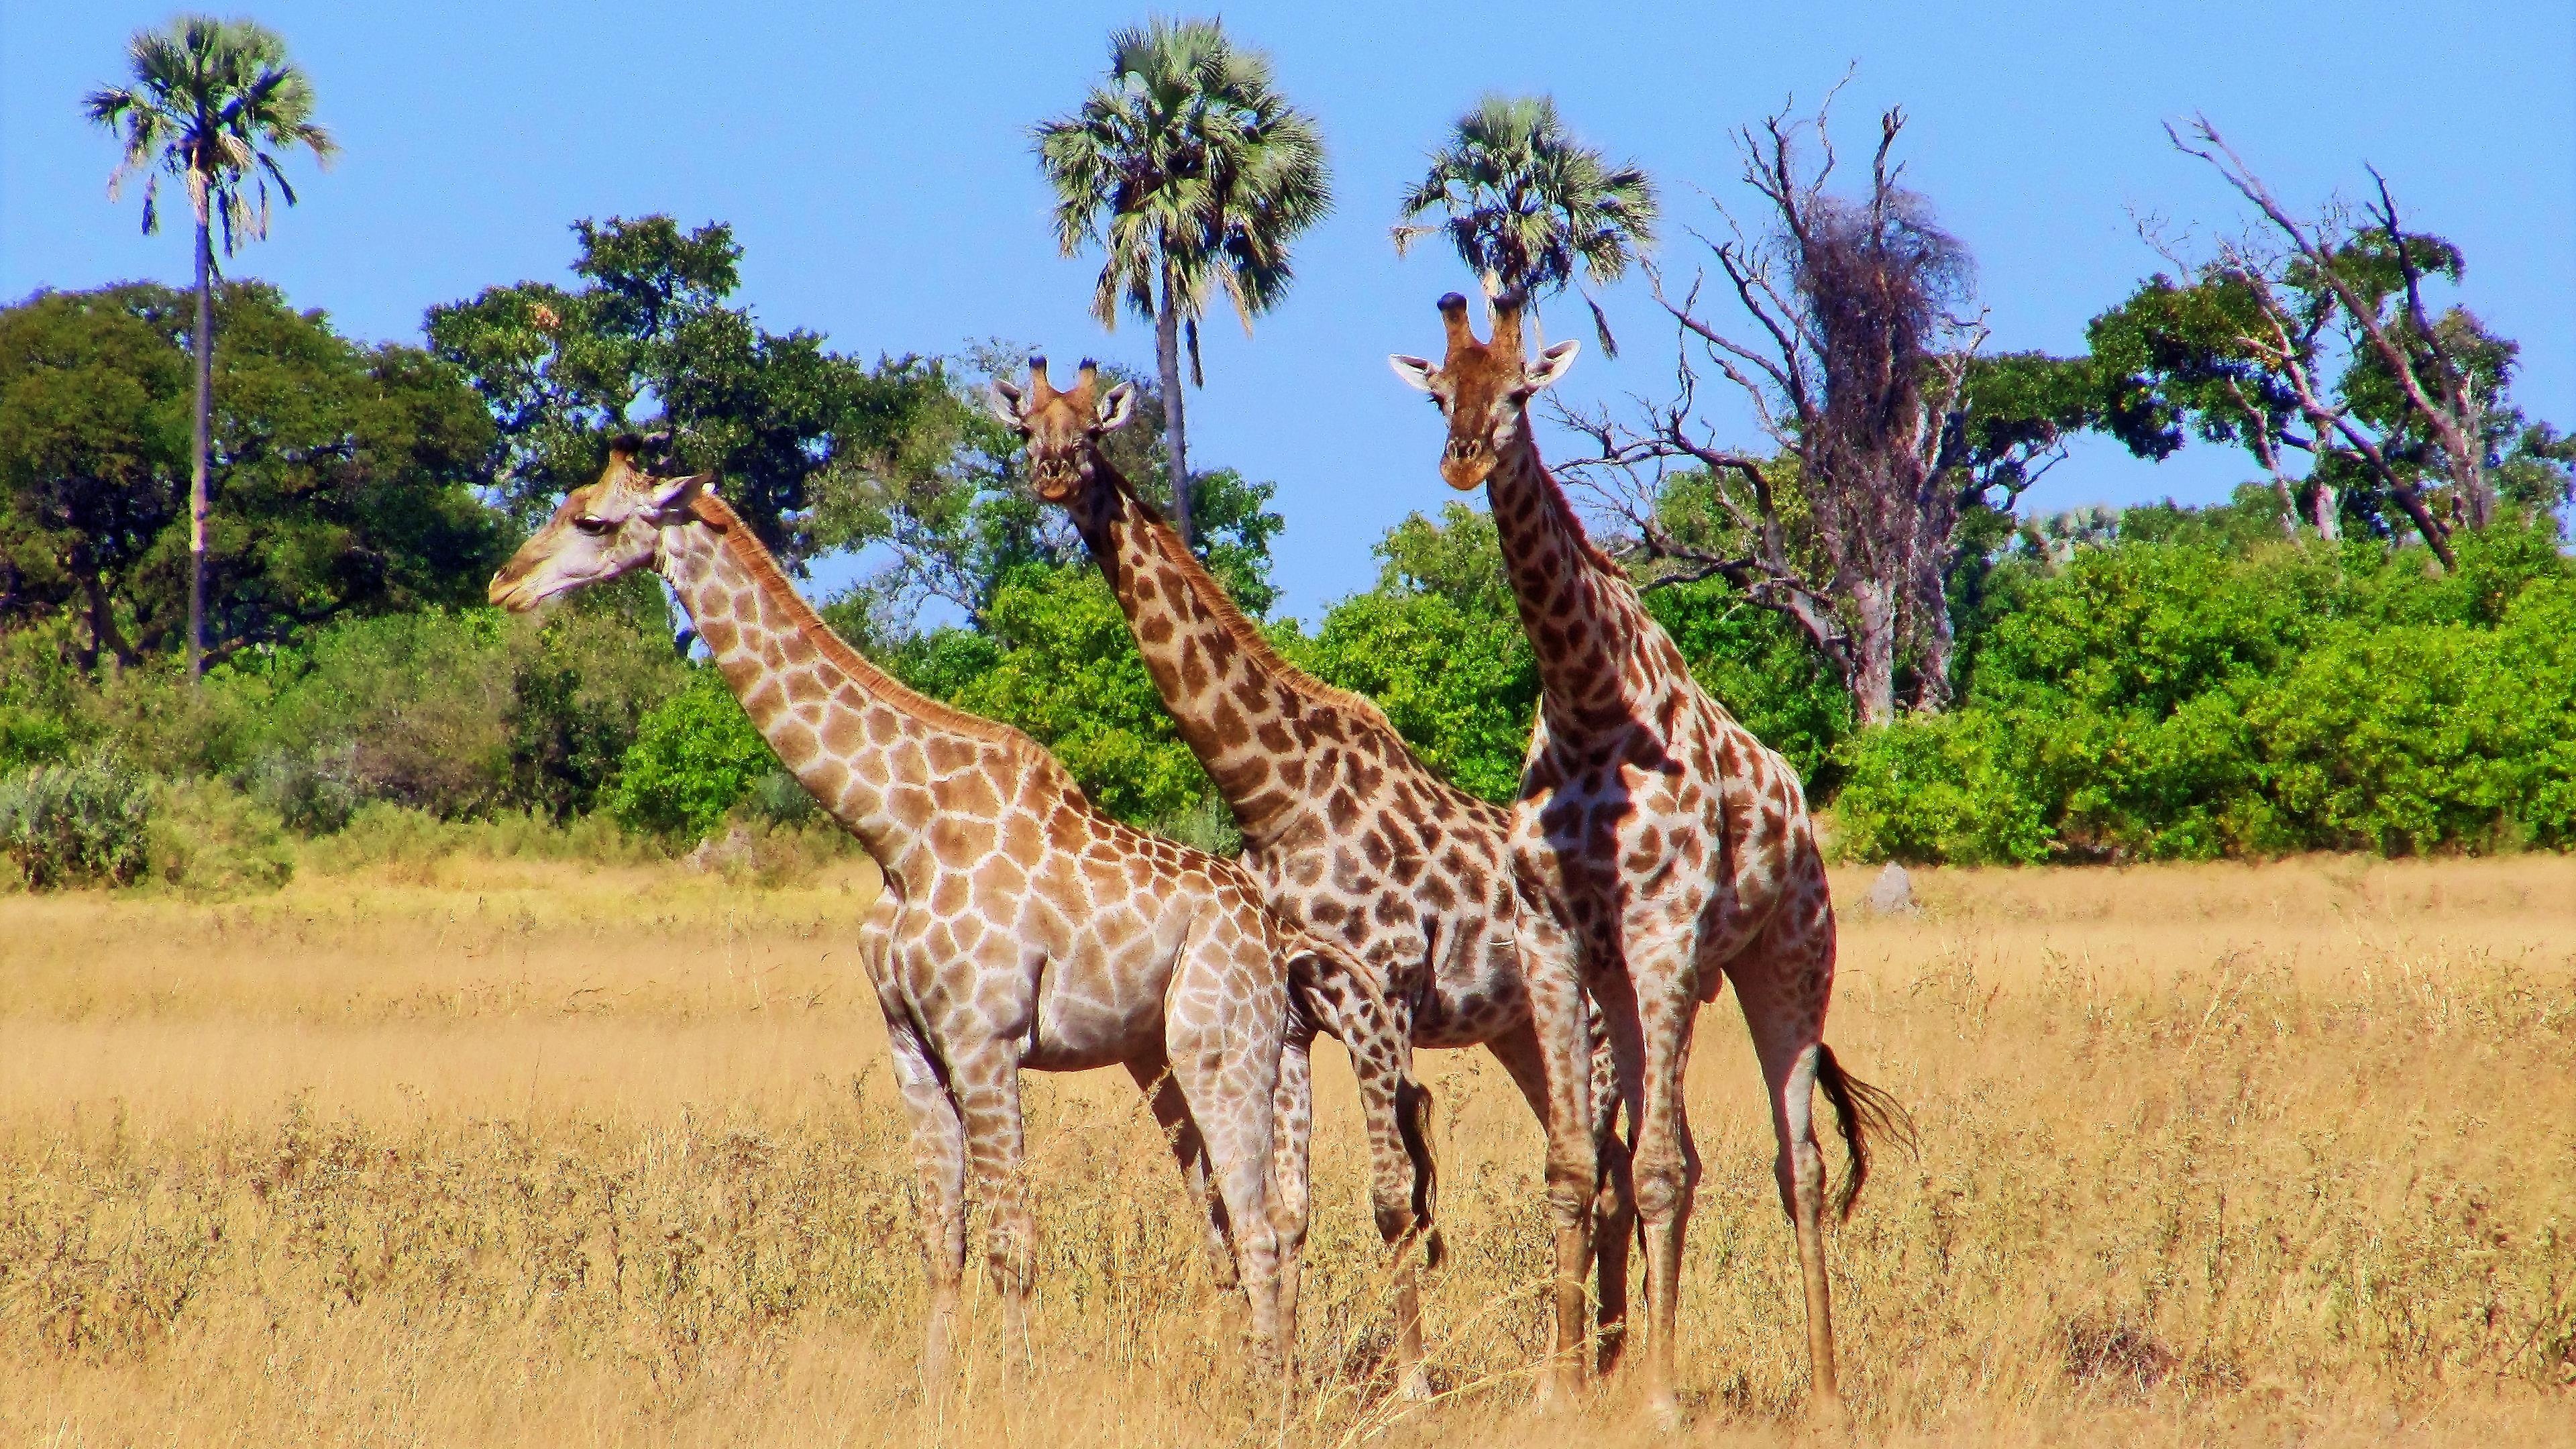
693	760
1940	788
1056	660
779	799
76	824
2155	700
314	793
1762	668
408	842
1460	685
209	840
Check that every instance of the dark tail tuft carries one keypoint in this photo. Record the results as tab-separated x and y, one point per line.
1865	1112
1413	1120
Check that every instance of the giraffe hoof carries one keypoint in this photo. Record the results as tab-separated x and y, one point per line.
1557	1392
1415	1385
1663	1412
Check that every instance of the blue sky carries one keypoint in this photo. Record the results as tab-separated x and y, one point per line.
874	162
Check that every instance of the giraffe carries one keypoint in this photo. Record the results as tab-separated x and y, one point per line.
1676	847
1351	836
1019	928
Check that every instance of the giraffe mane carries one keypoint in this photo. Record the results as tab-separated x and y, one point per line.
1239	628
772	582
1592	552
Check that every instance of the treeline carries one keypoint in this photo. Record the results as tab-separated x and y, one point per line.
2166	682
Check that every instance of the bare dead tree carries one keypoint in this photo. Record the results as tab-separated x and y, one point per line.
2360	284
1857	371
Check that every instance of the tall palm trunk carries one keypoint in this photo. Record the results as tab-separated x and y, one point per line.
1167	360
204	443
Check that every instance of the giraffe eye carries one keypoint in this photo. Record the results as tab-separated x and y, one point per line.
593	526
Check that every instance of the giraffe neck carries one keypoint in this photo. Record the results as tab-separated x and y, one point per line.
1586	624
1241	708
870	749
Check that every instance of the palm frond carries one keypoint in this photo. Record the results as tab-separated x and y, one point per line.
213	102
1184	161
1526	204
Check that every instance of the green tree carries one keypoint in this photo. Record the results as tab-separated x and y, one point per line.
213	103
349	475
1193	174
2318	336
1527	204
2272	364
563	370
2198	687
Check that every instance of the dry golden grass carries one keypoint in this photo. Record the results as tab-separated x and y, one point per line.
522	1154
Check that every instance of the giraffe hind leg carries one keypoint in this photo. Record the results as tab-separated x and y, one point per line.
987	1085
939	1168
1666	1164
1784	983
1403	1176
1189	1149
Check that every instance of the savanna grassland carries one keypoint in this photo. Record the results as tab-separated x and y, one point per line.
506	1153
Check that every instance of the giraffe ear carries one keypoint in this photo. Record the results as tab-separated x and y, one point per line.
1004	398
1415	371
1554	363
673	495
1116	407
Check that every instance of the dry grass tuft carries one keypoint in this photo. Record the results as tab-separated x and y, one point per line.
477	1153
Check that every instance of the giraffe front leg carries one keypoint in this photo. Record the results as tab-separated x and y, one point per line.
1666	1165
1547	1061
1225	1057
1617	1061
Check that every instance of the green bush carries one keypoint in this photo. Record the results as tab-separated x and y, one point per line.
408	841
2190	700
1761	667
1460	685
464	714
76	824
694	759
1054	658
210	841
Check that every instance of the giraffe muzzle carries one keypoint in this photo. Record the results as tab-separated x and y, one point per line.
1055	482
1466	464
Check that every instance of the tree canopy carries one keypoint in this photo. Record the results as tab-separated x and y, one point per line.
647	341
345	473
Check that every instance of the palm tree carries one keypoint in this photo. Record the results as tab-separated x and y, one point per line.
212	102
1193	173
1527	203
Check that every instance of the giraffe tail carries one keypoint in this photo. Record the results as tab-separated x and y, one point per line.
1865	1112
1415	1119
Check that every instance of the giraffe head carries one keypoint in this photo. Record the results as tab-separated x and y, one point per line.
611	527
1061	428
1483	387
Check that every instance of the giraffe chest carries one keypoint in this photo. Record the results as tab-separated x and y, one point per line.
1650	833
